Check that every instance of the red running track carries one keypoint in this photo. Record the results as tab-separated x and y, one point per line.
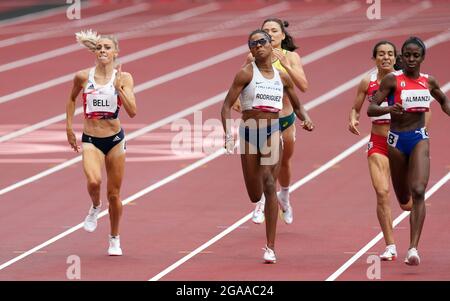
334	211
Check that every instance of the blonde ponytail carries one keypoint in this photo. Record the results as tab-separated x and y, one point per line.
88	39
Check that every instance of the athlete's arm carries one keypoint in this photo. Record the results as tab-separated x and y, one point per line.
436	92
387	85
288	88
361	95
242	78
78	81
293	65
124	85
237	104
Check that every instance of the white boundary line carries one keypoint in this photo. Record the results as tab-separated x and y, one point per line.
145	85
176	17
184	171
440	38
189	168
150	51
130	136
215	99
82	22
171	178
243	220
150	188
377	238
371	32
43	14
400	218
295	186
313	103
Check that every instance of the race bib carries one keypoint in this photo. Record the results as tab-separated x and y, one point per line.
392	139
101	103
416	100
268	95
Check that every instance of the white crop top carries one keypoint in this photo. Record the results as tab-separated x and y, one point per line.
101	101
262	93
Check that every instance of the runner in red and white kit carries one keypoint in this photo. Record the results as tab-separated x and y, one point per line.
105	90
384	55
409	94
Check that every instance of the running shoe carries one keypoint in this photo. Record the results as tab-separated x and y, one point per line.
114	246
412	257
389	254
286	212
269	255
258	213
90	222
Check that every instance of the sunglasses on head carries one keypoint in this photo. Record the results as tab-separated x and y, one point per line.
253	44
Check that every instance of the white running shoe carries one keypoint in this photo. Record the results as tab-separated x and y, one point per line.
258	214
389	254
90	222
412	257
286	212
114	246
269	255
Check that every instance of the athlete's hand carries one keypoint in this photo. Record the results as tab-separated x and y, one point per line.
237	106
353	126
397	109
118	81
307	125
229	143
279	54
72	140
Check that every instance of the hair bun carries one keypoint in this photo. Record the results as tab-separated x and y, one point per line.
285	23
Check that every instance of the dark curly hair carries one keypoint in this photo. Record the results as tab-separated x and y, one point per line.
417	41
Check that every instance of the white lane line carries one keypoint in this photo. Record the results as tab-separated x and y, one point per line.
156	81
311	104
400	218
184	171
433	41
201	36
293	187
243	220
44	14
152	50
440	38
297	185
139	88
135	134
370	32
168	180
183	15
75	24
130	136
36	126
377	238
135	196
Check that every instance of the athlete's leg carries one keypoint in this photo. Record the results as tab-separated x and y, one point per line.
398	164
284	177
115	166
380	175
93	160
252	176
270	167
419	171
